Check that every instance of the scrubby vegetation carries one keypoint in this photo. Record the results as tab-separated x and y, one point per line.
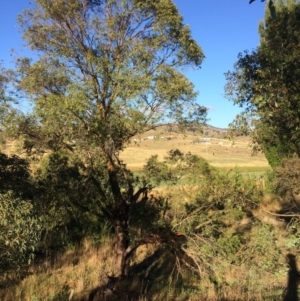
201	234
77	224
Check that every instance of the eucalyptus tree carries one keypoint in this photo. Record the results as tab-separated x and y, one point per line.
3	81
266	83
104	71
6	97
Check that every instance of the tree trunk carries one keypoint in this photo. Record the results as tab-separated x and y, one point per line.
122	249
120	218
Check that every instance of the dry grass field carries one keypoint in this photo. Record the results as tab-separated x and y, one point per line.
219	152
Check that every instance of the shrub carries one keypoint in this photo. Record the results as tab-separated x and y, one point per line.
19	231
287	178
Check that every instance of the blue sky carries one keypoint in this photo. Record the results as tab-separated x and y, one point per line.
222	28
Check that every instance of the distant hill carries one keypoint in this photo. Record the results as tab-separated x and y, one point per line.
194	129
214	132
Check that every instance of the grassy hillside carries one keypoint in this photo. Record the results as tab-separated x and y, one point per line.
212	144
215	147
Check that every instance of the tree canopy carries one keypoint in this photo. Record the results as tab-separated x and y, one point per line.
105	71
109	61
265	82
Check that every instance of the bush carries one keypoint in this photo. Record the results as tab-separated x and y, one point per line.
19	231
206	210
14	175
287	178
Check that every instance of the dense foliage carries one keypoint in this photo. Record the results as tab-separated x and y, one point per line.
266	83
19	231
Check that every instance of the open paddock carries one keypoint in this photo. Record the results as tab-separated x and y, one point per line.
220	153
